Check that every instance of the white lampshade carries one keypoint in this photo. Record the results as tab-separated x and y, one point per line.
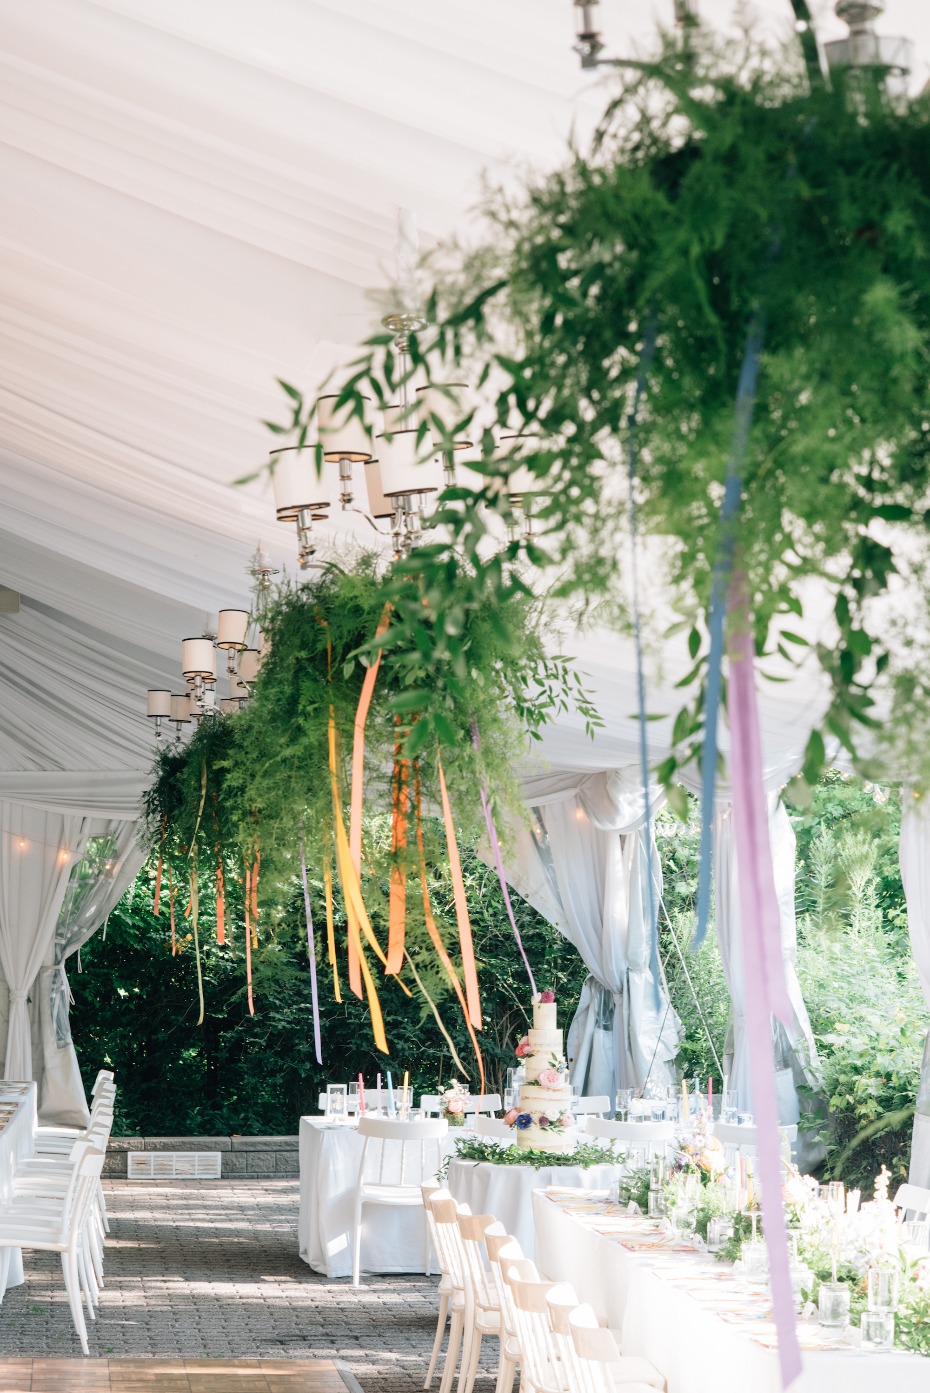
181	709
239	690
208	698
402	467
297	485
450	402
159	703
231	628
378	505
198	658
249	663
342	435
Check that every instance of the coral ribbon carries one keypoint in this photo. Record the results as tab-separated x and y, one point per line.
255	867
397	907
434	932
195	916
358	790
174	936
311	953
156	904
220	900
763	965
247	903
466	942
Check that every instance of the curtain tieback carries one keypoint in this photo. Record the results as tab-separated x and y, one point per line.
16	994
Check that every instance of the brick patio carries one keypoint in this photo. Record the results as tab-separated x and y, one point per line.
211	1268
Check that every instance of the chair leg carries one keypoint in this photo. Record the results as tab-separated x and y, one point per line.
469	1336
6	1257
505	1372
468	1375
102	1202
86	1279
440	1331
452	1351
357	1246
73	1288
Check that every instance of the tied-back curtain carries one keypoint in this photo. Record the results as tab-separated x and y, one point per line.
98	881
625	1031
37	854
915	875
796	1060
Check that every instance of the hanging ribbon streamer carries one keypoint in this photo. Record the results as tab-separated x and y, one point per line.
645	361
466	942
353	897
397	904
156	904
220	899
432	930
435	1010
499	865
764	973
311	953
247	903
174	935
255	865
195	916
358	789
723	567
330	926
203	799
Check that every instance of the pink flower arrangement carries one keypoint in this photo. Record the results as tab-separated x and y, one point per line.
523	1048
511	1116
547	997
455	1106
550	1078
566	1120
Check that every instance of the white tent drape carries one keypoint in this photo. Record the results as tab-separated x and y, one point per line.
795	1049
109	865
915	875
37	854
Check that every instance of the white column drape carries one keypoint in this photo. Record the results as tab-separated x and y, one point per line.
37	854
915	875
110	863
796	1058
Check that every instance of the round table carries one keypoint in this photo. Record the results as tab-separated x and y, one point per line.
507	1191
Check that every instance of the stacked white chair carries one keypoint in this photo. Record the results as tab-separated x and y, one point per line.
601	1366
562	1304
482	1304
652	1136
397	1157
505	1252
60	1226
445	1283
448	1240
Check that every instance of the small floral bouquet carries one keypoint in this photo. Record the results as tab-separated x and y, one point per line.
454	1100
698	1152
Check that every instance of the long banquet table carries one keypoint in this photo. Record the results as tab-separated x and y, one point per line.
17	1142
687	1313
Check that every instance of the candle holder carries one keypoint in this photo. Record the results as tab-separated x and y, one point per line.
884	1285
833	1305
877	1329
719	1232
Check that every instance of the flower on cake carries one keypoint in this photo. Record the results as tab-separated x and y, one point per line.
567	1120
543	1120
545	998
523	1120
549	1078
523	1048
510	1116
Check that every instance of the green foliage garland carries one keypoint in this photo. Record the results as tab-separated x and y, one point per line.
585	1155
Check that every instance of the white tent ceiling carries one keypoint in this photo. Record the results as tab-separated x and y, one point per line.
197	197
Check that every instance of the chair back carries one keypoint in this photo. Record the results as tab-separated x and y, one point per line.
503	1252
473	1233
913	1201
105	1076
652	1135
447	1237
538	1346
561	1301
597	1105
596	1350
81	1189
395	1152
493	1127
483	1103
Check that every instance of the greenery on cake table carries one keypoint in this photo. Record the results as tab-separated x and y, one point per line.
585	1154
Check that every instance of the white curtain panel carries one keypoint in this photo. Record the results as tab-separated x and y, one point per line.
110	863
795	1050
915	874
37	854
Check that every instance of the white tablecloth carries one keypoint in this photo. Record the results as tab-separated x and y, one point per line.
507	1191
17	1142
393	1239
696	1349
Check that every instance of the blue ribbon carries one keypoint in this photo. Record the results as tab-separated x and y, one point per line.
723	568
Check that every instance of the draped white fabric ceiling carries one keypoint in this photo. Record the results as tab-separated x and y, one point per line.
197	198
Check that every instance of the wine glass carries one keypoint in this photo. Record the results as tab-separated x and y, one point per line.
624	1099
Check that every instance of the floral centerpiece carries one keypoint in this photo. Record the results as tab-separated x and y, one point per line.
454	1101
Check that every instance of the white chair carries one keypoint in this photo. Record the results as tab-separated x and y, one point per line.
542	1368
402	1155
597	1105
652	1136
602	1367
912	1202
493	1127
505	1252
428	1191
448	1241
431	1104
59	1228
482	1304
562	1303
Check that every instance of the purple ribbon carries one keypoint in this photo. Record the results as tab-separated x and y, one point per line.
311	952
764	984
499	864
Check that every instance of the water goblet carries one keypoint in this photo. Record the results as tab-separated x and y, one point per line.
883	1288
877	1329
624	1099
755	1255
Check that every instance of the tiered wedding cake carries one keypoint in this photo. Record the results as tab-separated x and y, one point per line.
544	1118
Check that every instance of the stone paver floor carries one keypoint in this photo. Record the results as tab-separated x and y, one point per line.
211	1268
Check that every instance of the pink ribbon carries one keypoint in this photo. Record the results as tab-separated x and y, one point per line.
765	987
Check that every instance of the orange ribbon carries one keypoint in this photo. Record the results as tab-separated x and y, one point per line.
397	908
174	937
220	900
434	932
358	790
255	895
247	899
330	927
466	942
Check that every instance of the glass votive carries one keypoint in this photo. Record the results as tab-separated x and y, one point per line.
719	1233
658	1207
352	1104
755	1257
883	1288
877	1330
833	1305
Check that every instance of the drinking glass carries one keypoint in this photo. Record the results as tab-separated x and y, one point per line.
877	1330
682	1217
352	1100
833	1305
883	1289
836	1197
755	1255
658	1206
337	1097
731	1111
624	1099
719	1233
